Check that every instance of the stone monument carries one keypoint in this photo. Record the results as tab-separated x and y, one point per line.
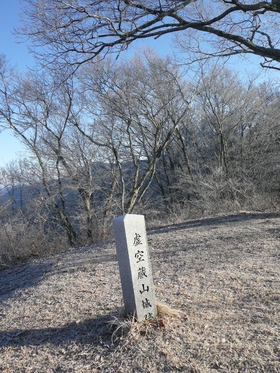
134	265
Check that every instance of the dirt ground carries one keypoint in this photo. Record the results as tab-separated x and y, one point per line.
63	313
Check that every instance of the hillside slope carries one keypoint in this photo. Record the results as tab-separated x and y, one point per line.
63	313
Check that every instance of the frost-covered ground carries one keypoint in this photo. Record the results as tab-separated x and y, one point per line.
63	313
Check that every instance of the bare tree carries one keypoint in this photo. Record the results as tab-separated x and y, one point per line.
227	106
41	113
231	161
73	32
137	108
262	142
29	109
24	213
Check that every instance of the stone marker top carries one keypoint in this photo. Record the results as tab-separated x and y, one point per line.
133	229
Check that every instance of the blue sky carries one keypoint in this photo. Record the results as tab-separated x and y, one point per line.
18	55
16	52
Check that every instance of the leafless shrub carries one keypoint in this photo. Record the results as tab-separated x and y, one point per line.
204	195
21	240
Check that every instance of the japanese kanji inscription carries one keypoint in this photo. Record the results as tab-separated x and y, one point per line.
134	266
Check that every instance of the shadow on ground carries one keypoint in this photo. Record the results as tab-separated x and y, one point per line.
212	222
31	273
90	331
22	277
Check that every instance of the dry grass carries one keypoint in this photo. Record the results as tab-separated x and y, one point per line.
219	279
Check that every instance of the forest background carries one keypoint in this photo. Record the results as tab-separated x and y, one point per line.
171	137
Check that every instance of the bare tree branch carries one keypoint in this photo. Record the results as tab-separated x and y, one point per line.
74	32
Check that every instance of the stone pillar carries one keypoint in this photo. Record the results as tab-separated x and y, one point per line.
134	265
